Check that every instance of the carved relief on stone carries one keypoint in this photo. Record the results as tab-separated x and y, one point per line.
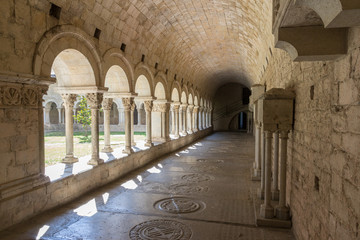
161	107
94	100
69	100
196	109
30	96
133	106
183	108
127	102
148	106
107	103
190	108
11	95
176	108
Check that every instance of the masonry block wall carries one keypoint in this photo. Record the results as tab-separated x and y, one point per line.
324	147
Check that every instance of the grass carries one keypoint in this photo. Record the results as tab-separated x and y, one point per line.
55	148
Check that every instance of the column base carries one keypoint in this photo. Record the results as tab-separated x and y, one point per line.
260	193
190	132
133	144
275	195
69	159
107	149
266	211
184	133
95	161
255	174
282	213
149	144
176	136
128	151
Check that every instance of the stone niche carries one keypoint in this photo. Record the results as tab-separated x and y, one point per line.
276	108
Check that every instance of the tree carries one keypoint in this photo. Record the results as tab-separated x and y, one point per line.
84	115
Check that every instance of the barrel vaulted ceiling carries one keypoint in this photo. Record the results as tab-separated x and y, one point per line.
207	42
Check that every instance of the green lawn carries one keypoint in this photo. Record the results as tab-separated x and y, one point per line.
55	147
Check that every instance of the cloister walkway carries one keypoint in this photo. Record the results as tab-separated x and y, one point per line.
202	192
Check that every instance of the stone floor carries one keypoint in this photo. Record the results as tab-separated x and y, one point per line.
201	193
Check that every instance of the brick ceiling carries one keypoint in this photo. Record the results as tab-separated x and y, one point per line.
206	42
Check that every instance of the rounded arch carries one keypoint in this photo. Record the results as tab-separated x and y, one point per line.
142	86
201	102
289	48
161	78
73	69
116	80
48	103
191	99
60	38
142	71
175	95
113	57
184	98
196	101
160	93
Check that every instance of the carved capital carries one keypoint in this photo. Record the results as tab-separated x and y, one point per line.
127	103
161	107
148	106
176	107
183	107
69	100
133	106
94	100
107	103
196	109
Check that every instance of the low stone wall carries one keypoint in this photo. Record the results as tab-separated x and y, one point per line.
56	193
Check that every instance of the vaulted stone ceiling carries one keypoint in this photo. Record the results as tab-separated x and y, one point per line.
206	42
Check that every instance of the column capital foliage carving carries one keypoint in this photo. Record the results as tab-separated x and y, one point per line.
176	107
133	106
127	103
148	106
196	109
161	107
69	100
107	103
94	100
21	95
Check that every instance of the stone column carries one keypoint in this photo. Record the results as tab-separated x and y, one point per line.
107	104
190	118
139	115
172	119
127	103
121	116
94	100
275	189
196	120
204	120
148	107
200	119
266	210
69	100
210	116
176	120
165	121
262	156
282	211
184	111
59	111
257	165
132	124
47	115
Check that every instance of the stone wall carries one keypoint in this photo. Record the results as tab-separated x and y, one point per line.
324	147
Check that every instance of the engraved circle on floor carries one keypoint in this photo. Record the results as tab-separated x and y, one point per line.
178	205
160	229
196	177
204	168
186	188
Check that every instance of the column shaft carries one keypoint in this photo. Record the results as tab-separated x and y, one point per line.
94	100
275	189
132	124
127	102
69	100
107	104
266	210
176	111
148	107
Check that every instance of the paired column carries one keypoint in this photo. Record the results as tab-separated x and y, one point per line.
69	100
94	100
164	109
282	211
266	210
176	108
47	115
173	127
262	156
190	118
257	164
133	106
127	103
184	122
107	104
148	108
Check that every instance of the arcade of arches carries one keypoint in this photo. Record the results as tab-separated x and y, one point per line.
284	73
